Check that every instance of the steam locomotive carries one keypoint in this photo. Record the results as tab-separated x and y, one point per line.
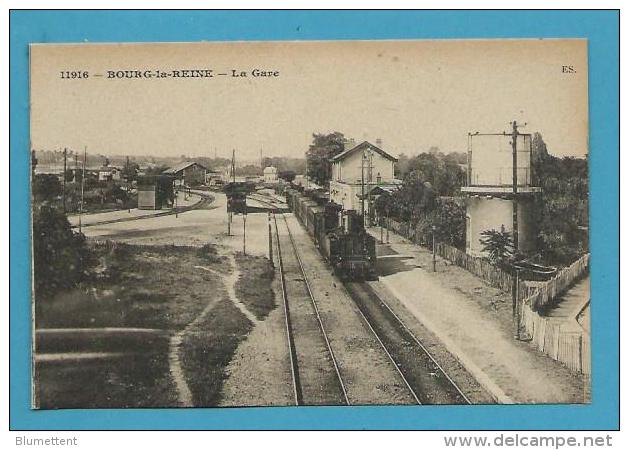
339	235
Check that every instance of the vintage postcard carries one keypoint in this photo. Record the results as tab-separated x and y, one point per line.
310	223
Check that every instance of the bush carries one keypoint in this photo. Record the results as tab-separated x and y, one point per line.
499	246
60	256
46	187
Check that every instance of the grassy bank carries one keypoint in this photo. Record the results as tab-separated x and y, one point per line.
109	343
132	288
254	285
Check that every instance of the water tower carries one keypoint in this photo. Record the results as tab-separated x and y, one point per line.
499	191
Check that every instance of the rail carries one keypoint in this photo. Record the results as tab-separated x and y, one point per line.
425	350
371	327
317	313
297	394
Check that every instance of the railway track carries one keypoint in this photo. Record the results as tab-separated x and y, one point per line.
204	200
424	377
314	369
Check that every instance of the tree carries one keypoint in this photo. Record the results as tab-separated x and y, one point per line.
69	175
155	170
130	172
283	163
563	210
498	245
443	172
60	256
287	175
323	148
46	187
249	169
449	221
401	167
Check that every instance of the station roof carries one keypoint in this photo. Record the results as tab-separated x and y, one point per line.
181	166
362	146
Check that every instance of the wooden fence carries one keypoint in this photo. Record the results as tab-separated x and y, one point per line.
478	266
541	295
547	292
562	340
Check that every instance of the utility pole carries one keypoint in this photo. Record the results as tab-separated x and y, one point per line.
516	306
175	204
33	163
307	184
516	281
65	169
82	187
270	240
369	181
434	250
128	185
388	222
233	165
514	146
233	177
244	233
362	188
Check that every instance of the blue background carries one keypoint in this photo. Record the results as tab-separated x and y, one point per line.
600	27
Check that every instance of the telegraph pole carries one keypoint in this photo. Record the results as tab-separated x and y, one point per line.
233	177
244	233
434	250
514	145
233	165
307	165
516	281
128	185
369	181
362	187
65	169
270	240
33	163
82	187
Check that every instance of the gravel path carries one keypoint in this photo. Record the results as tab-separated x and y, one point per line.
259	372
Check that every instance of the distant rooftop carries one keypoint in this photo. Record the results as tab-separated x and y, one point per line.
181	166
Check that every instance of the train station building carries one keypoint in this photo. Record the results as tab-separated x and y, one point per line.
358	170
187	173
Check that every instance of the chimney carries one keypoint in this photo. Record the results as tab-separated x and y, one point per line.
379	143
350	143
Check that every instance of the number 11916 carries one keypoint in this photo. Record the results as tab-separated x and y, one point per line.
74	74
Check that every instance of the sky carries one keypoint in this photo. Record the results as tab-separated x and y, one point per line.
412	95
